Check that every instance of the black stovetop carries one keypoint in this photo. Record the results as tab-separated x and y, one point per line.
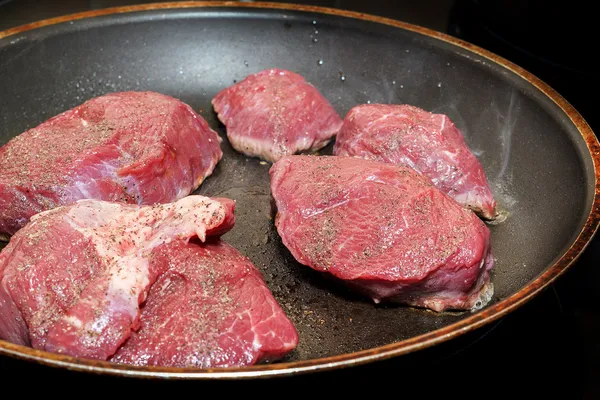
549	347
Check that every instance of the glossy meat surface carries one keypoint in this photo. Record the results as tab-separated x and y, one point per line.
72	280
133	147
274	113
427	142
383	229
211	308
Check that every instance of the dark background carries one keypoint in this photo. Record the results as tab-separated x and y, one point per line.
551	346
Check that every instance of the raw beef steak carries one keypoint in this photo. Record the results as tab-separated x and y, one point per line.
429	143
210	309
383	229
274	113
133	147
72	279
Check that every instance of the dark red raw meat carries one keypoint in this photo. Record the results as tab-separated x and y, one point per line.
72	279
382	229
210	309
133	147
429	143
274	113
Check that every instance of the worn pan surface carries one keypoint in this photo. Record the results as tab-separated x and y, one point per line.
540	156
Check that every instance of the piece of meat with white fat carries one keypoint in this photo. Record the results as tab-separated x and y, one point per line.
72	279
274	113
384	230
210	309
133	147
430	143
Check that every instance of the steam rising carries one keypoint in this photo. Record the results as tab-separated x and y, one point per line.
507	124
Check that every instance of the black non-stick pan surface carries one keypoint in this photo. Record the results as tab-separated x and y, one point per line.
539	155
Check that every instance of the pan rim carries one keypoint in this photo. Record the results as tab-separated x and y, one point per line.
475	321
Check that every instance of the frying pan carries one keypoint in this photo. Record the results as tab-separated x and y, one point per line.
539	154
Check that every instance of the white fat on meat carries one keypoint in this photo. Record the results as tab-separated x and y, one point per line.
125	235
